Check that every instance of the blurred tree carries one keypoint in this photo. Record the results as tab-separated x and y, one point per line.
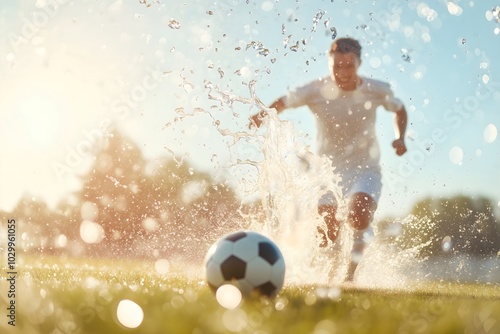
456	225
133	208
112	204
39	228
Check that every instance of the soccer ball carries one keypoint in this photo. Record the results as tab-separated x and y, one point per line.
248	260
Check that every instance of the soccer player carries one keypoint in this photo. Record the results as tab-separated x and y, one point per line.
345	105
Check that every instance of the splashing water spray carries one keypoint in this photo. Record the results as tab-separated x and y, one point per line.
291	180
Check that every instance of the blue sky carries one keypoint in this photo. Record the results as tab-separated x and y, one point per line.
69	68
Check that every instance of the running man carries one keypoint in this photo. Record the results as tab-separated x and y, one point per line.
345	105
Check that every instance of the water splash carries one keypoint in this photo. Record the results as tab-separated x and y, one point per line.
317	18
290	181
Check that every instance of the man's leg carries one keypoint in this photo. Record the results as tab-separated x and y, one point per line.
361	210
332	225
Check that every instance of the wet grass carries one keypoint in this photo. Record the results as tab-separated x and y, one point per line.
70	296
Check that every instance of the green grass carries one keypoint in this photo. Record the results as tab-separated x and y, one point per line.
81	296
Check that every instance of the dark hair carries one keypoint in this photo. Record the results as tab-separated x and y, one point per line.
346	45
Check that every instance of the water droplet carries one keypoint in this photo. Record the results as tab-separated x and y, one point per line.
454	9
267	6
188	87
221	72
319	15
333	30
456	155
406	55
129	313
490	133
493	14
446	244
173	24
264	52
375	62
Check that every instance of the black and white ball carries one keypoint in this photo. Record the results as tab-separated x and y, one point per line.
248	260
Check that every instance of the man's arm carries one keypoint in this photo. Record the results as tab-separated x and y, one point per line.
400	122
256	120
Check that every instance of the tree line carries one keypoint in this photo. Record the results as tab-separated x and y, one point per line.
440	227
126	208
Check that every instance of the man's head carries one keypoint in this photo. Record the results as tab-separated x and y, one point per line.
345	58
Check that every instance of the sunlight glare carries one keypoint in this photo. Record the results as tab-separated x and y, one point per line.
40	119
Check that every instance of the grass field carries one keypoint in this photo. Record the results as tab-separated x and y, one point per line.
83	296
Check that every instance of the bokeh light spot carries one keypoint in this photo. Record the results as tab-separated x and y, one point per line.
129	314
90	232
89	211
228	296
490	133
235	320
456	155
162	266
446	244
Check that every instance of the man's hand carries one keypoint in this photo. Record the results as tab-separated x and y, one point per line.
399	146
256	120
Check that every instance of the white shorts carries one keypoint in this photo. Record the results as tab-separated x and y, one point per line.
355	181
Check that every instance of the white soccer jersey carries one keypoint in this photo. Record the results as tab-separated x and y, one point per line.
346	119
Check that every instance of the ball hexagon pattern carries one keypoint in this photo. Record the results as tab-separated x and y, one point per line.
248	260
